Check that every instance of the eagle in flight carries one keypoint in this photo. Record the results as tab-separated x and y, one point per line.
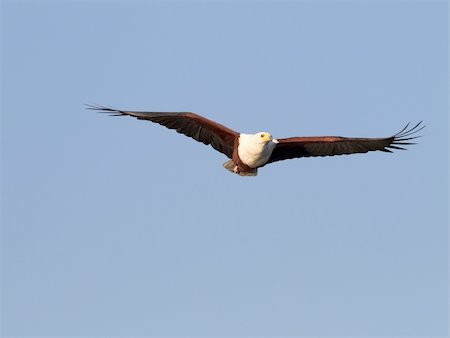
248	152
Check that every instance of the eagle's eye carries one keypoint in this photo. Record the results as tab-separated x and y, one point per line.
262	135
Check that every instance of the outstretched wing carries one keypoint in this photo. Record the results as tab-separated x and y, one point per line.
294	147
190	124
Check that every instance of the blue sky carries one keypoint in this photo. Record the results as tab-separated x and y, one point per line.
114	226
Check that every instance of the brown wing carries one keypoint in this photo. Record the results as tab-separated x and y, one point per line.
199	128
294	147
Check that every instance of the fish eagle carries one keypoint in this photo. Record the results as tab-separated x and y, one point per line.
248	152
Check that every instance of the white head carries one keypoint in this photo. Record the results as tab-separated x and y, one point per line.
264	137
255	149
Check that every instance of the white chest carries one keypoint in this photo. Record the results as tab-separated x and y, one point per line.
253	152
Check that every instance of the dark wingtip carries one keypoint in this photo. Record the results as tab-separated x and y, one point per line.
396	147
99	108
406	134
409	134
103	109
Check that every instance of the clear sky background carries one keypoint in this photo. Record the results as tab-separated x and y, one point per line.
114	226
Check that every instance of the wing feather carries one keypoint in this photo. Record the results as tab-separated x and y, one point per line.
295	147
190	124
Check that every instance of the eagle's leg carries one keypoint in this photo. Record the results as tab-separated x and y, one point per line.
231	166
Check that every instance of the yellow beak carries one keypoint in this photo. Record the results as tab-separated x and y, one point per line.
267	137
